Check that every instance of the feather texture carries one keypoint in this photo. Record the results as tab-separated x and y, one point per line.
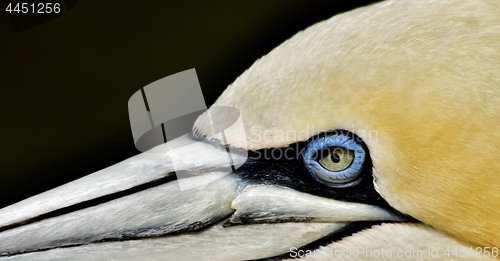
419	81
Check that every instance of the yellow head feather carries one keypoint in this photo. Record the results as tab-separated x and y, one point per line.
419	81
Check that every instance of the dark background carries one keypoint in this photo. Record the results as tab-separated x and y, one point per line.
65	80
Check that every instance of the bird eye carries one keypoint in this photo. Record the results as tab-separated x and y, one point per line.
335	160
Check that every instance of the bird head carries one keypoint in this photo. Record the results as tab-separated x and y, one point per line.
384	114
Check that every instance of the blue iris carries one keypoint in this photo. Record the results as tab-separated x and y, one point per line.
338	179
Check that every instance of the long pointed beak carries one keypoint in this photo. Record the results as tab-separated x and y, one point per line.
127	200
136	209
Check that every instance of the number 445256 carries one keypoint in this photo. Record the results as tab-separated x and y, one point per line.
39	8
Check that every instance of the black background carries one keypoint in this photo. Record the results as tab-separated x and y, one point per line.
65	81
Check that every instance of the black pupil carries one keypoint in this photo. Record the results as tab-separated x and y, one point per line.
335	157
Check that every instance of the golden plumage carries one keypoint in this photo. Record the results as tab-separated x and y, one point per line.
419	81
